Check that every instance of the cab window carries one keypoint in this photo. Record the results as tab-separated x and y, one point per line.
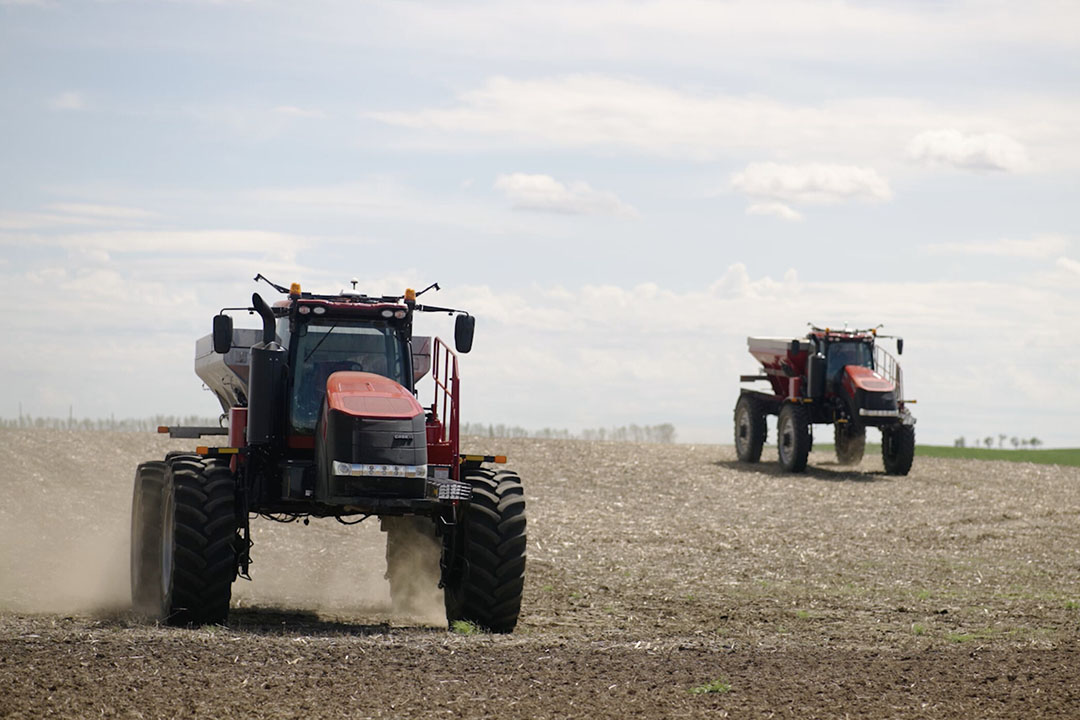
841	354
322	350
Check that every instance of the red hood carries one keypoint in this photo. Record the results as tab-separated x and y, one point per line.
365	394
864	378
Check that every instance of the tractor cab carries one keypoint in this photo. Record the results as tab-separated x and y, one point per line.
839	354
857	381
347	340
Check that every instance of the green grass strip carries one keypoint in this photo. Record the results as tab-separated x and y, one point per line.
1049	456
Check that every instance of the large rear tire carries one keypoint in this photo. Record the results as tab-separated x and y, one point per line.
850	438
412	562
200	567
793	437
898	448
150	550
749	428
487	589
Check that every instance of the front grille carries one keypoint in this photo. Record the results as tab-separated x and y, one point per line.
380	487
877	400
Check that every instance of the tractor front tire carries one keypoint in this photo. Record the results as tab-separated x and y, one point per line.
151	542
850	441
898	448
204	540
793	437
412	562
487	590
749	429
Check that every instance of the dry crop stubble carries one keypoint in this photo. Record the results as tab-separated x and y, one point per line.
653	570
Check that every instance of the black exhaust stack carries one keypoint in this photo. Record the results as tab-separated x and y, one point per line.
815	376
266	380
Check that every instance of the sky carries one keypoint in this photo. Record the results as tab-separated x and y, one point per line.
620	192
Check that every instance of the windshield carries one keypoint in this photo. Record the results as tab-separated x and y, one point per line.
841	354
321	350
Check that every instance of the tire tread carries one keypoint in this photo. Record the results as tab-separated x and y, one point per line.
490	591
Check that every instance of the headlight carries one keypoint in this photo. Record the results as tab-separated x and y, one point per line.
374	470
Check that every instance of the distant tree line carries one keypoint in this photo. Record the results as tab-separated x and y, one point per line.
110	423
988	441
664	433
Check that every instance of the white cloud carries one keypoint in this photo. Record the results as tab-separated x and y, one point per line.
69	100
776	209
662	33
737	283
601	111
734	283
1068	265
61	215
986	151
36	220
545	193
811	184
605	112
1043	246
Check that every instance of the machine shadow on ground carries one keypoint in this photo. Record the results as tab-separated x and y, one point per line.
277	620
271	620
816	472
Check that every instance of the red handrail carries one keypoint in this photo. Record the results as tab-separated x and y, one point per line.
887	367
444	372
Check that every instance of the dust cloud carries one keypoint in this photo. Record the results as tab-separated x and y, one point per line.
338	570
65	525
415	592
51	563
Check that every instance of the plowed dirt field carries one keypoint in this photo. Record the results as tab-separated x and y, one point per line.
656	572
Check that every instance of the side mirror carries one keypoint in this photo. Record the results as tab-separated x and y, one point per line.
222	334
463	332
899	346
